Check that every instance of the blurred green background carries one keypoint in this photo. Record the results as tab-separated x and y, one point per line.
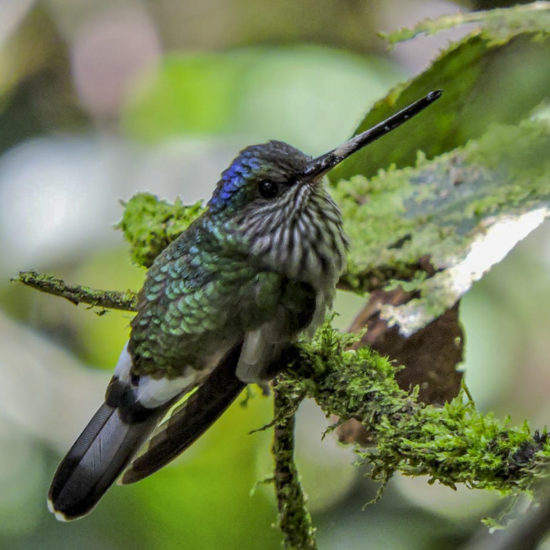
101	99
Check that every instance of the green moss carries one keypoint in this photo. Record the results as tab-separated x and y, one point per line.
454	444
294	518
78	293
150	224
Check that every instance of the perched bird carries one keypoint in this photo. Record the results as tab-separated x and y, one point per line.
218	307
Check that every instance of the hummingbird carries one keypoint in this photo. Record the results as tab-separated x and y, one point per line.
219	306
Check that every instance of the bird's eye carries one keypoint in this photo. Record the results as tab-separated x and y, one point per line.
268	189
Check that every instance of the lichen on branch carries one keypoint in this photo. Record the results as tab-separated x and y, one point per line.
77	294
294	518
451	444
150	224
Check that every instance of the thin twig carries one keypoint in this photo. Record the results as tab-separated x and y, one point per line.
77	294
294	518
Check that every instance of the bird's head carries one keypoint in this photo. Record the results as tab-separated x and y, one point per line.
276	173
272	196
260	175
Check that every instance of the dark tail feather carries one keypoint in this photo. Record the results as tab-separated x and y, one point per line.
96	459
190	420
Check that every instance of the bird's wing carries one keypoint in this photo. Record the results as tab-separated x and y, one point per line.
297	304
263	345
194	307
136	402
189	420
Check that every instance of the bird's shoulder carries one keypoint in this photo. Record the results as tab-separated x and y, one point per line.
197	296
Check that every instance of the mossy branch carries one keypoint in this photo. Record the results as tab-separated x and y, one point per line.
150	224
79	294
451	444
294	519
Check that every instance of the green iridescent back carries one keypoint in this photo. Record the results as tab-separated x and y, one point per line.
197	299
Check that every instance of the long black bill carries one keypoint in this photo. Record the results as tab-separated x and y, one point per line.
321	165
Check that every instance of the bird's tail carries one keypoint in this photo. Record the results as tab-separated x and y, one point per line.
96	459
124	423
190	420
